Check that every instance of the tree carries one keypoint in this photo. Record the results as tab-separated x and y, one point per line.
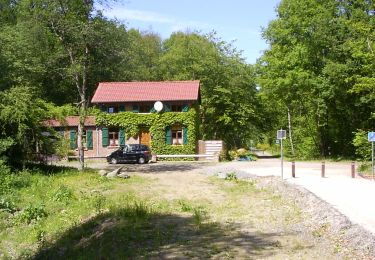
311	72
74	24
229	103
21	118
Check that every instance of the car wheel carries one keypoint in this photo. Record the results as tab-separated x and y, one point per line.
141	160
114	161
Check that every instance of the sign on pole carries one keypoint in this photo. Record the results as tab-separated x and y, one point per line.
281	134
371	138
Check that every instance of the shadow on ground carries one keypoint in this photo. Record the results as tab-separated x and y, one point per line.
134	233
160	167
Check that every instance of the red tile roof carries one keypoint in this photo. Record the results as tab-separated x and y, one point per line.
108	92
70	121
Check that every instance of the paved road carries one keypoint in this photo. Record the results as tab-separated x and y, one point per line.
354	198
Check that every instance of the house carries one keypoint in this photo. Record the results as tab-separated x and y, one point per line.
128	116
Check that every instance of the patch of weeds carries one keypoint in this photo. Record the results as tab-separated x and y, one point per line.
31	213
62	194
40	237
337	248
231	176
320	231
98	201
199	216
185	206
7	206
138	210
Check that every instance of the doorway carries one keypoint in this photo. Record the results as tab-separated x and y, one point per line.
145	137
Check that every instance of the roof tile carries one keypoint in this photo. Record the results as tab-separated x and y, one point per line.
111	92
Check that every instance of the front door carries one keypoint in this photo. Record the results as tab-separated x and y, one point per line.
144	137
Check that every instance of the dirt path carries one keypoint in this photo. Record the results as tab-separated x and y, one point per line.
256	219
200	215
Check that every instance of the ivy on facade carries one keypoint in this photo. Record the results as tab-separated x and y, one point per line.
157	123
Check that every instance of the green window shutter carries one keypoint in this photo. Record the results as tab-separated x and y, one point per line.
122	137
185	135
185	108
152	109
105	137
121	109
73	139
168	135
167	108
89	142
135	108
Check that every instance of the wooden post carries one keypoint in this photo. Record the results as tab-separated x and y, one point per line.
293	169
353	169
323	169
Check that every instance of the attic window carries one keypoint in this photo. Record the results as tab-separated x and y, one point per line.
176	108
144	109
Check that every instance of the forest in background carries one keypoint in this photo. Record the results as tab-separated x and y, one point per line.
315	80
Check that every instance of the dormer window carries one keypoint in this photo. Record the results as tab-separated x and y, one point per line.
144	109
176	108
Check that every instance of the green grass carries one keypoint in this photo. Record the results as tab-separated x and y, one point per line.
60	213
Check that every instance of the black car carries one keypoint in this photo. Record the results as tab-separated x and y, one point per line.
130	153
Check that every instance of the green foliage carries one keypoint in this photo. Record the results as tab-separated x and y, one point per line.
62	194
31	214
229	103
7	205
362	145
320	70
21	116
157	123
231	176
185	205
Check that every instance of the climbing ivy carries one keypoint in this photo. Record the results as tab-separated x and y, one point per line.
157	123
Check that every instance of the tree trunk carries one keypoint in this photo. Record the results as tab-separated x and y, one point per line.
290	132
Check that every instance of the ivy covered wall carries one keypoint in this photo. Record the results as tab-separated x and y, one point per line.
157	124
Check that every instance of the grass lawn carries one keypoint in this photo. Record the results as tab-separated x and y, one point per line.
64	214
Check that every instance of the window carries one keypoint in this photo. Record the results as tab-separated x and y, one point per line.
176	108
87	139
113	136
177	136
112	110
144	109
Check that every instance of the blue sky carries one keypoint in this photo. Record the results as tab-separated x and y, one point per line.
239	20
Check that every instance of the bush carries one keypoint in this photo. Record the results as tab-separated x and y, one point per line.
62	194
7	206
231	176
31	213
362	146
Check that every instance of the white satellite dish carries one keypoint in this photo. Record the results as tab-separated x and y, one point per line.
158	106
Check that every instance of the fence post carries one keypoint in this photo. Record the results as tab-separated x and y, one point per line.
293	169
353	169
323	169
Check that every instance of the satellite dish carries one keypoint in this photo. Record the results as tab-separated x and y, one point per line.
158	106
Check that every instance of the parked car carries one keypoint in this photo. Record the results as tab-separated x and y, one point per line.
130	153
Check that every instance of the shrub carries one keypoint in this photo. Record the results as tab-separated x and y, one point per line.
7	206
62	194
31	213
362	146
231	176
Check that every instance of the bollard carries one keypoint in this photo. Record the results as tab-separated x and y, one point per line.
323	169
353	169
293	169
